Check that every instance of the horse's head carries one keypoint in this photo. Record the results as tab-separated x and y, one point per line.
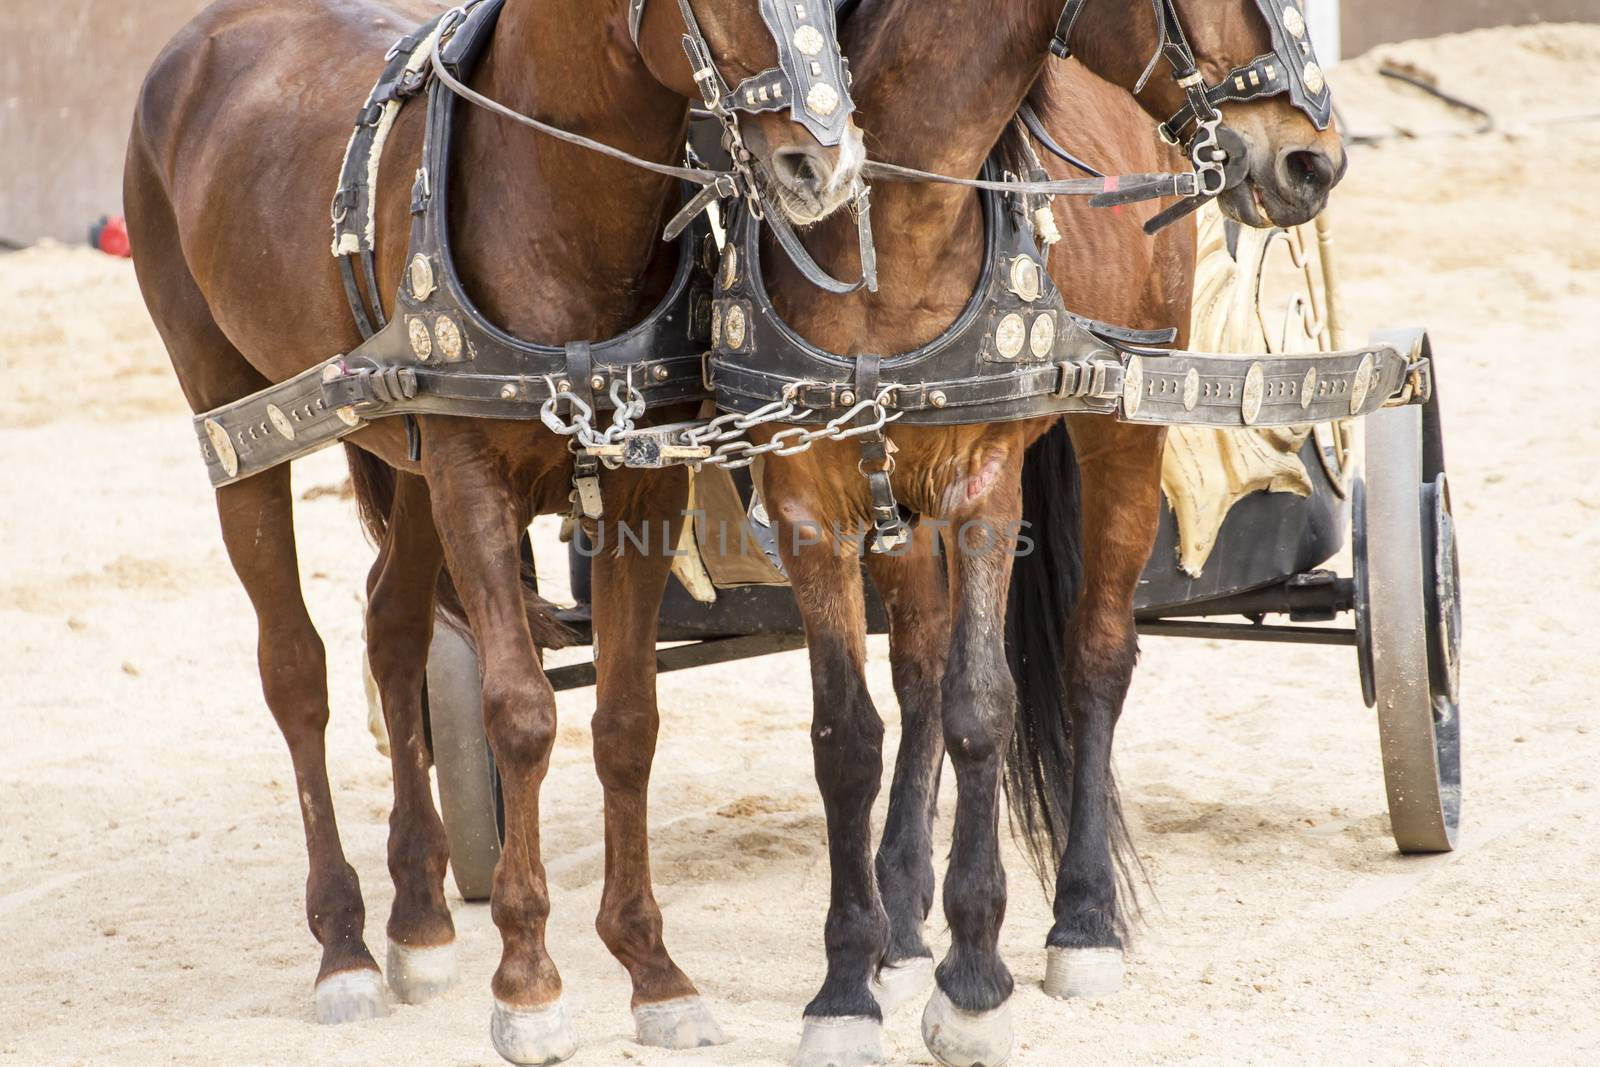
773	71
1254	67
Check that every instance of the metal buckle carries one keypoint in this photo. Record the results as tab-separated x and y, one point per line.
1091	379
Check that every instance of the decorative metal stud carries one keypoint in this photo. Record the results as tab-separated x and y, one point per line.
847	398
730	267
1010	336
1308	389
1133	387
1042	338
1191	389
660	373
280	422
1361	385
937	398
1313	78
1255	387
822	100
597	383
508	392
421	277
809	40
734	324
421	340
222	445
449	335
1026	280
1293	21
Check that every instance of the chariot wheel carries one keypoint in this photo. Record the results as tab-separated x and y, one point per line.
469	787
1408	621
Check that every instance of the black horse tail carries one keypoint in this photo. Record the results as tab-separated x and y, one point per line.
373	481
1045	583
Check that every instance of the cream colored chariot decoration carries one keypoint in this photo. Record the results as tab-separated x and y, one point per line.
1272	292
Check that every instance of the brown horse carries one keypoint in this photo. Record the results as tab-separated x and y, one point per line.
938	86
236	147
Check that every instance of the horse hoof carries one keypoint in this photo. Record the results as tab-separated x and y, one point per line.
532	1037
1082	972
420	974
843	1041
898	984
677	1024
351	996
960	1038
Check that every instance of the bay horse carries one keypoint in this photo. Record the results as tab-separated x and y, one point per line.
938	86
236	146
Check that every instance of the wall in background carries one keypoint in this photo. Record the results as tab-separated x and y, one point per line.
66	105
1365	23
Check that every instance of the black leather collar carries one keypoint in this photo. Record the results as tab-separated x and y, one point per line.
1015	352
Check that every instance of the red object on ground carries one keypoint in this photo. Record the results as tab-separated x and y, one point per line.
110	235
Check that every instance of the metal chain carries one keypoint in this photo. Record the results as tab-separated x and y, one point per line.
733	450
627	409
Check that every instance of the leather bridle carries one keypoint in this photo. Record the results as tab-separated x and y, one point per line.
811	80
1291	67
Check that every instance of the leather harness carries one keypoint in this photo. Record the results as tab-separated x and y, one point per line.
1016	352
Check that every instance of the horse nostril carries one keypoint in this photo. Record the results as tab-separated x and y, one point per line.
1308	170
801	170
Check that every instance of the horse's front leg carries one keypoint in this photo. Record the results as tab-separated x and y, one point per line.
1121	477
481	516
843	1023
967	1020
916	600
644	514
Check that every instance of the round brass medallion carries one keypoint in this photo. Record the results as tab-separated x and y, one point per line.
1361	385
1025	279
421	341
1255	388
730	267
449	337
1042	339
421	277
1191	389
222	445
1313	78
822	100
1133	387
809	40
280	422
734	324
1010	336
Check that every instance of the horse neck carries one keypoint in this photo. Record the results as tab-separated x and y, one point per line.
555	242
936	85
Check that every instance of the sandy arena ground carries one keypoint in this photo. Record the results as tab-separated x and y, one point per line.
151	856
